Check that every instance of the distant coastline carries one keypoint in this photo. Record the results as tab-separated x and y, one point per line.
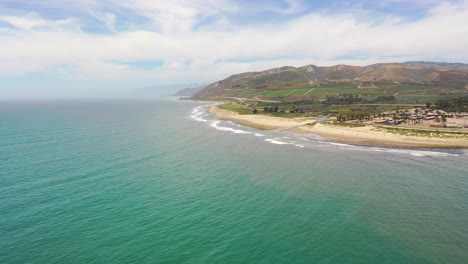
362	135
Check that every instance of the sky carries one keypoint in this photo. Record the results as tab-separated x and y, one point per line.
93	48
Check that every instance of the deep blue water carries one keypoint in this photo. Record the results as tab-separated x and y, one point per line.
161	182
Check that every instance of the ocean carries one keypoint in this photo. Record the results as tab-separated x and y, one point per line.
161	181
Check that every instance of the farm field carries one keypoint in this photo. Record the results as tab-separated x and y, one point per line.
318	91
371	90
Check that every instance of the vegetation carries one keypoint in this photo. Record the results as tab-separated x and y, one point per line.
379	83
319	91
238	108
353	96
385	99
459	104
341	124
254	125
423	132
343	112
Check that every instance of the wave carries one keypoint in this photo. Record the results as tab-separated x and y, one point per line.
421	153
199	114
412	152
228	129
277	142
340	144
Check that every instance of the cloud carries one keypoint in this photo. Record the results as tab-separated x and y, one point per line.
201	41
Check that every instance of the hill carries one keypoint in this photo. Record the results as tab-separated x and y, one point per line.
408	80
188	91
162	90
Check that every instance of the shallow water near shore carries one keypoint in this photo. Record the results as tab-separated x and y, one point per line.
162	182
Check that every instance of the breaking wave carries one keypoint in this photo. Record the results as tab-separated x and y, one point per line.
215	124
200	114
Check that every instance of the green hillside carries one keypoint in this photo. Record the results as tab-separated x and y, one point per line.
411	82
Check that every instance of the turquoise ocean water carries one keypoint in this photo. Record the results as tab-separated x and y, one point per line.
161	182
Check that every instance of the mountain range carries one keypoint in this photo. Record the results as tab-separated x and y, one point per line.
451	76
187	92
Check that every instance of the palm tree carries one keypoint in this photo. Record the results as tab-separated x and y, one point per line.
437	116
444	120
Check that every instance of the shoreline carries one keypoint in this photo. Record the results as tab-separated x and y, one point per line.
262	122
364	136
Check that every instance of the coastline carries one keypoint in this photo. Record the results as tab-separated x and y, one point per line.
260	121
366	135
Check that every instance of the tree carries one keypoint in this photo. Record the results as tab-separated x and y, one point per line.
340	118
276	109
444	120
437	116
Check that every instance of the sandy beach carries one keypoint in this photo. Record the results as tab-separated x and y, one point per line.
260	121
366	135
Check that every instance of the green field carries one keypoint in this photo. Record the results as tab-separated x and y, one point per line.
402	92
241	109
309	108
318	91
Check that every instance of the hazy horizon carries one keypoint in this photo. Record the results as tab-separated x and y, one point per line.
94	90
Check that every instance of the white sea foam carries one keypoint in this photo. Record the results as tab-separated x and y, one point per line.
277	142
412	152
228	129
198	114
422	153
340	144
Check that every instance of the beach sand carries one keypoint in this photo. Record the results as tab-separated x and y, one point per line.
367	135
260	121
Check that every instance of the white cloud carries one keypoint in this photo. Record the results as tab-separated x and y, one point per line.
32	21
109	19
32	43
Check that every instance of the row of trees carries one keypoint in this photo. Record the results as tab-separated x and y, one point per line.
459	104
344	99
354	99
354	115
275	109
385	99
270	109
